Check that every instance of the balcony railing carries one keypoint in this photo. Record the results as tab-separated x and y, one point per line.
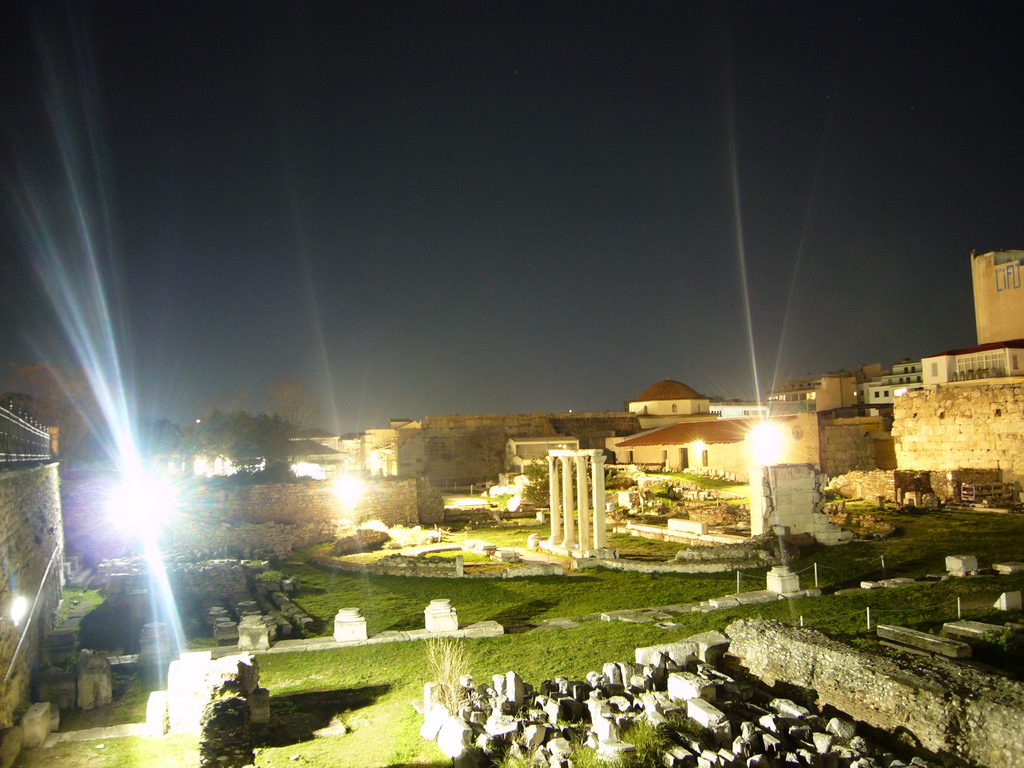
22	438
979	373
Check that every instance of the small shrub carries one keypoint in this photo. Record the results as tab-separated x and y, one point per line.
1005	640
270	576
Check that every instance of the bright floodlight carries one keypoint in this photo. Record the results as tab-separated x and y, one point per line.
349	490
19	607
767	442
141	502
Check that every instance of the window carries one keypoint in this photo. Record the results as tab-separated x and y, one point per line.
981	364
935	370
674	407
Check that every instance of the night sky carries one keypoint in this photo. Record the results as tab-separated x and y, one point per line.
427	208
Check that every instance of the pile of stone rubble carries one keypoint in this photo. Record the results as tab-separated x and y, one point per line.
712	720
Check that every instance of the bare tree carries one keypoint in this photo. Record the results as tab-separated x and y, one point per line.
295	400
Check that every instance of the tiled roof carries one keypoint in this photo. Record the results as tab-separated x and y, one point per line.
710	431
670	389
1011	344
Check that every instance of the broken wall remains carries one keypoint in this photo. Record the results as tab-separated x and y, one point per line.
948	708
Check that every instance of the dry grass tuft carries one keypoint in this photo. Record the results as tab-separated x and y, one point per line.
446	658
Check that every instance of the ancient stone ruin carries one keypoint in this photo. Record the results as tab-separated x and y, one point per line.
701	693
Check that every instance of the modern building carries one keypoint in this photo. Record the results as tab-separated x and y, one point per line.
882	390
996	360
667	402
998	295
837	389
737	409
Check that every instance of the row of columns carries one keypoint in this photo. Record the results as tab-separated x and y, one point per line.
564	507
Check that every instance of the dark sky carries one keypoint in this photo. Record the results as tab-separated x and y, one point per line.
442	207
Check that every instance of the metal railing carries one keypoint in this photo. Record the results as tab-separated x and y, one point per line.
22	438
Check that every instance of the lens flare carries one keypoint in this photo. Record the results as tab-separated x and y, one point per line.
141	502
19	607
349	490
766	440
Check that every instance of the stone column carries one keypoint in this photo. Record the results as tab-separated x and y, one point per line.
597	484
554	501
568	513
582	502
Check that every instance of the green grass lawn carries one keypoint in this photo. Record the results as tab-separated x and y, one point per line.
919	547
397	602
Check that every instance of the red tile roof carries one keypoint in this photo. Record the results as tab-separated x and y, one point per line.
710	431
670	389
1011	344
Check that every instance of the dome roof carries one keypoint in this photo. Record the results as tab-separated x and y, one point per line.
670	389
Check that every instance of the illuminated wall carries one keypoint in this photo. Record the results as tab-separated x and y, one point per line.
979	426
998	295
30	533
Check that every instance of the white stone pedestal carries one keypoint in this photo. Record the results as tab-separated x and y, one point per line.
782	580
253	634
349	625
440	616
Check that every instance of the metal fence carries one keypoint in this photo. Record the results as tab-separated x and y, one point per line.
22	438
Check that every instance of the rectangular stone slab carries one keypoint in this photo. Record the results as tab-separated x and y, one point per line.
922	640
975	630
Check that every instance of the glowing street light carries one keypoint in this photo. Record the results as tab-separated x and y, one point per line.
141	503
349	490
19	607
766	439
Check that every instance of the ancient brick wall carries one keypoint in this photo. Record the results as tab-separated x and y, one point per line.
211	538
31	540
238	519
951	709
393	502
961	426
844	448
866	485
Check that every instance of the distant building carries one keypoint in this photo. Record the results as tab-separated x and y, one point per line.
837	389
882	390
998	295
667	402
996	360
719	446
737	409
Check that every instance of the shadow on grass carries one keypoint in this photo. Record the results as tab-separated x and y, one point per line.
523	613
295	717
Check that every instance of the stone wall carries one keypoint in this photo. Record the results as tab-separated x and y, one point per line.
866	485
950	709
240	519
399	565
393	502
845	447
962	426
206	538
31	541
